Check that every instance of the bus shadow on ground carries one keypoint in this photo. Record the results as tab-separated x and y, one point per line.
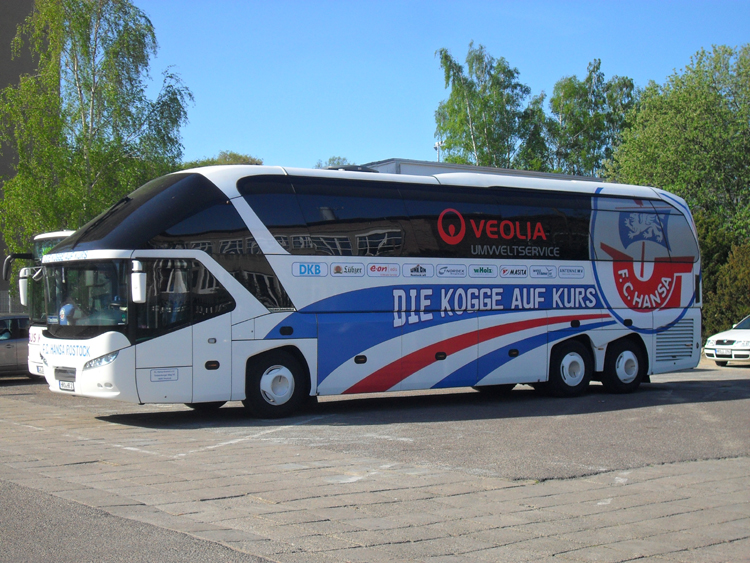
18	380
456	405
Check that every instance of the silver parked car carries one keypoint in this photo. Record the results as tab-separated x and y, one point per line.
14	344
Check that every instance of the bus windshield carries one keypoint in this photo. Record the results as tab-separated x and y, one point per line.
86	299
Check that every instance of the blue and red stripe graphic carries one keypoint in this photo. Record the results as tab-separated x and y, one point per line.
393	373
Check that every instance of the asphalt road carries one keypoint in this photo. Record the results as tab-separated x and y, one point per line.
38	527
702	413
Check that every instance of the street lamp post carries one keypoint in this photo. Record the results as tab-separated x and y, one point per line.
437	148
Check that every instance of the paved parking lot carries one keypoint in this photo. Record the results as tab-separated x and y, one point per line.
444	476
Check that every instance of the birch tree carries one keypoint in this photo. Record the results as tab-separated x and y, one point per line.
482	120
84	130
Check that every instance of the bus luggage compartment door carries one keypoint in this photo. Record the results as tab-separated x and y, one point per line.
212	359
164	372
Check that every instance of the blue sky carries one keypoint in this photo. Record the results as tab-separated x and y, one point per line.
294	82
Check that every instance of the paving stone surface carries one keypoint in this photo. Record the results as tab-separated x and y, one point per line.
292	503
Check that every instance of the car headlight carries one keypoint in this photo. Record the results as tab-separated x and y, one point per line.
710	343
743	343
100	361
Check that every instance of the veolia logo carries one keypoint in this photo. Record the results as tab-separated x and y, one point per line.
451	236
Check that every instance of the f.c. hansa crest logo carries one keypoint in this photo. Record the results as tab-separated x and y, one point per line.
643	272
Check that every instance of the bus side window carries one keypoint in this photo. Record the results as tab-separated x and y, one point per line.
180	293
209	297
458	212
273	200
682	246
352	218
635	229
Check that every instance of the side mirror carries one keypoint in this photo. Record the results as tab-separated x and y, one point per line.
138	283
734	325
23	286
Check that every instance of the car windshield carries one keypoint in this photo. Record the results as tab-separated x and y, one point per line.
743	324
85	299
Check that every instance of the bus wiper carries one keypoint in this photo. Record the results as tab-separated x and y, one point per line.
98	221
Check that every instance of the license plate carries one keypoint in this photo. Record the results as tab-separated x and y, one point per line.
724	351
67	386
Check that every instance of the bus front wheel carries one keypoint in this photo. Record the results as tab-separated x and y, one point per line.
571	366
275	385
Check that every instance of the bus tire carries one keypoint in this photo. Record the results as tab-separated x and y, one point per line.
570	369
276	385
624	367
206	407
722	363
500	390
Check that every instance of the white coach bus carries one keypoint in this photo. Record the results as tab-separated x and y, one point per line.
270	285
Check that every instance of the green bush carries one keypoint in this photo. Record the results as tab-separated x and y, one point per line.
730	301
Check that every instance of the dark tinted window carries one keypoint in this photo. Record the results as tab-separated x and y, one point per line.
352	218
329	216
498	222
152	209
219	231
273	200
442	217
644	230
181	292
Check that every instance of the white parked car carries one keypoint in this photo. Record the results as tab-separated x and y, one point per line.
731	345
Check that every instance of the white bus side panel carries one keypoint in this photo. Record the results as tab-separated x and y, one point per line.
164	372
212	344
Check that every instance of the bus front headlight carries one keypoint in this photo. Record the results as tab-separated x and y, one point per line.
100	361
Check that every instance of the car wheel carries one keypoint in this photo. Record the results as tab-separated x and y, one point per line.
570	370
624	367
722	363
276	385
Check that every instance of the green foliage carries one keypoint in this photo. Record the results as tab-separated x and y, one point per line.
489	119
716	242
224	157
82	127
691	137
588	118
731	300
333	161
484	118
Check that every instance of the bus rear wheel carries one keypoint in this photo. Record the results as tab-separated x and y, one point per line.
276	385
570	370
624	367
